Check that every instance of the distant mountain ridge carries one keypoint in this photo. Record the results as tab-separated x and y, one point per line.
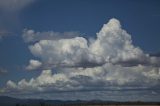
9	101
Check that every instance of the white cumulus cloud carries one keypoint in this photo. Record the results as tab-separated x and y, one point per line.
108	62
106	77
33	64
65	52
112	45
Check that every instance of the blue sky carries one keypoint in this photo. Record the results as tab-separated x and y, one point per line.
27	23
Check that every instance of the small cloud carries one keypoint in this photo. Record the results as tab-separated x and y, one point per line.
3	71
4	33
157	54
33	65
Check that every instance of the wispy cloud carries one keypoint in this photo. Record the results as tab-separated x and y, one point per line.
14	5
3	71
4	33
32	36
9	19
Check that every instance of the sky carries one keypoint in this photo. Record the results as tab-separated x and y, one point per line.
82	49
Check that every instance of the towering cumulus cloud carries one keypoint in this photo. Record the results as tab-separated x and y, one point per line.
110	61
113	45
